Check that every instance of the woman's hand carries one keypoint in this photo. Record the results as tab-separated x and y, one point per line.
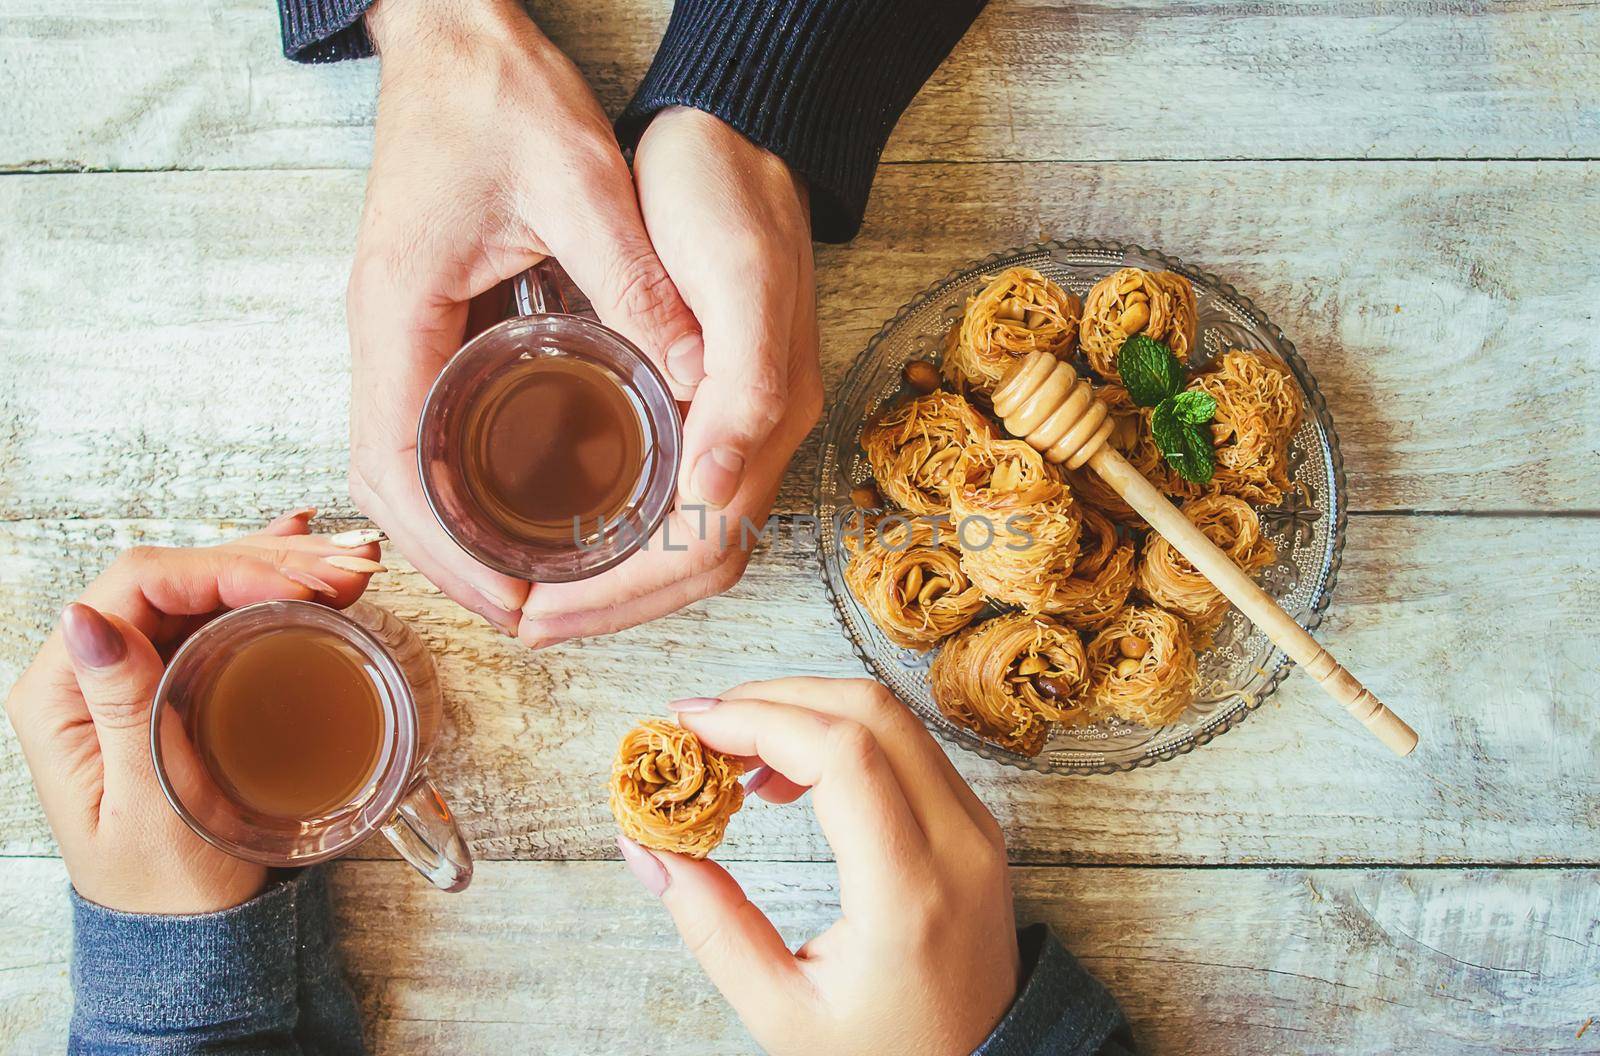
82	711
923	960
731	225
491	152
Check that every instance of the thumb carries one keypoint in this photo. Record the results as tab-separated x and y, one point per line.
737	946
117	670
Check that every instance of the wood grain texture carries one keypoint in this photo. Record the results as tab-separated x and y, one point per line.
174	84
1493	667
574	958
202	371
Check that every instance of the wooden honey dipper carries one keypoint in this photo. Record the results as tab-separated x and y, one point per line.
1043	401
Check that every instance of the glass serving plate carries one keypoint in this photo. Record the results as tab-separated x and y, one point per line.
1241	668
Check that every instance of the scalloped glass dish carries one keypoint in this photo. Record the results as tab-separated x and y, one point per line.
1242	668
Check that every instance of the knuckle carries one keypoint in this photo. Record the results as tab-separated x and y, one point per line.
137	559
852	745
120	708
644	290
727	574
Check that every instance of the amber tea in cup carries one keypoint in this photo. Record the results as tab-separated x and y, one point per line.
549	445
291	724
287	732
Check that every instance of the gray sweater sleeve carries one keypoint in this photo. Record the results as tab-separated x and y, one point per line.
1062	1010
263	978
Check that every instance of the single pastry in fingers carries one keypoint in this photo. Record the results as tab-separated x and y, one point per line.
669	792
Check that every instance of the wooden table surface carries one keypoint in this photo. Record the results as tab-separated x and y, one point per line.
1410	188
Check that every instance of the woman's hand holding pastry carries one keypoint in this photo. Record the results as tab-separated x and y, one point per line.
923	959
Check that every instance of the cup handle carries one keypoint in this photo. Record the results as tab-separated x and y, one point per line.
425	833
537	291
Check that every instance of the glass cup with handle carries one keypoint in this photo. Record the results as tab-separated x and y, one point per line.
240	779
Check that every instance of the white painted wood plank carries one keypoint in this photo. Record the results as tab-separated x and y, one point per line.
175	347
575	958
1479	631
175	84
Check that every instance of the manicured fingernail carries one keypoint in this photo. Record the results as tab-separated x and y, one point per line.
346	563
305	513
306	579
692	704
357	538
757	778
91	639
645	867
686	360
717	475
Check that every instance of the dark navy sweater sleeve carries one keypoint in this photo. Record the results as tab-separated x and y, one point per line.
820	83
1062	1009
261	978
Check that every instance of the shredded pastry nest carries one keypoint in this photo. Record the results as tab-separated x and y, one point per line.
1008	678
1152	688
1016	524
914	448
1101	578
976	517
671	793
1158	304
1018	312
1259	407
908	576
1170	581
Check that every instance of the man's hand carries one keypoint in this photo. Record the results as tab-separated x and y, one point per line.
491	152
731	225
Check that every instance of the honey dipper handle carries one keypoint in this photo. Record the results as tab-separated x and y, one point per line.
1254	602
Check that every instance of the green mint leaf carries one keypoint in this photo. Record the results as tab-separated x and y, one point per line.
1150	372
1196	408
1186	445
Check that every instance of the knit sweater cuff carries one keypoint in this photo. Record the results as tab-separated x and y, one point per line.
324	30
140	975
1062	1009
820	83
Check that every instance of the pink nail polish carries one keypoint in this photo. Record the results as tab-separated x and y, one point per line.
645	867
90	637
758	777
306	579
304	513
692	704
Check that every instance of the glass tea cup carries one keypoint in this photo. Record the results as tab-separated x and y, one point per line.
397	798
544	328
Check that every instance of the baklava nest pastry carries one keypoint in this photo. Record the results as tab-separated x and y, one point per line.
1170	581
1008	678
1258	409
1101	578
1018	312
1142	667
908	576
671	793
1158	304
1016	524
913	449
